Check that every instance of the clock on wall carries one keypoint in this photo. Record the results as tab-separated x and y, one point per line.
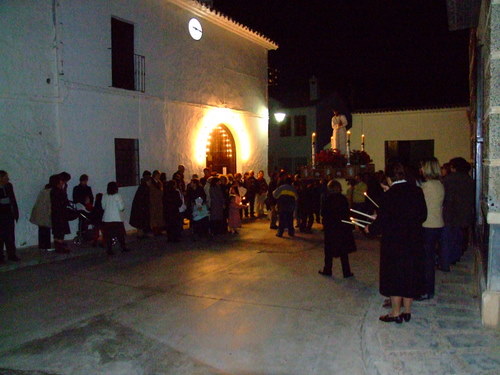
195	29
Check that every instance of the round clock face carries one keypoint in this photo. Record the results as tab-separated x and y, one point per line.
195	29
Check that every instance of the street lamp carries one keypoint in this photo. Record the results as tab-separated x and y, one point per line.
279	116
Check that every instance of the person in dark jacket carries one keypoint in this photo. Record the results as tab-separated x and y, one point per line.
458	212
252	188
339	240
59	203
216	205
96	219
272	202
9	214
400	216
286	196
82	193
171	203
139	214
305	206
178	176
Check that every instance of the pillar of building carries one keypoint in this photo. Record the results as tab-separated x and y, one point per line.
489	41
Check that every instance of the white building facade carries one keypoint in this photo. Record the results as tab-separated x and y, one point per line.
442	132
111	88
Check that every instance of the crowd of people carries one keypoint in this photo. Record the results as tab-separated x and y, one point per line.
424	221
422	217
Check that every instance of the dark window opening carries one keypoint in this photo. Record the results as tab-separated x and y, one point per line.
409	153
122	54
286	127
127	161
300	125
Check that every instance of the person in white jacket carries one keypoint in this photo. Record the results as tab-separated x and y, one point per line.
112	204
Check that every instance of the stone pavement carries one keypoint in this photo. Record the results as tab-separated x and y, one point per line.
246	304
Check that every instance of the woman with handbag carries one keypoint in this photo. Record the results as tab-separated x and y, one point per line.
41	216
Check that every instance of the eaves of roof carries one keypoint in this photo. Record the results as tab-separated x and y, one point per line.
407	109
225	22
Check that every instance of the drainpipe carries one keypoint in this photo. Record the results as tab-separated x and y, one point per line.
479	136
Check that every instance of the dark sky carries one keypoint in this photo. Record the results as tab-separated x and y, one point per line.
375	53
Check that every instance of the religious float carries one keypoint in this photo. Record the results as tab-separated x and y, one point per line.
332	163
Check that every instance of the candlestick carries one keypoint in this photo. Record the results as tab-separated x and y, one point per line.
353	223
366	195
361	221
362	142
313	147
348	147
363	214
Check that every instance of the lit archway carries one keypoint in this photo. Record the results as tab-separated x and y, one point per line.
221	150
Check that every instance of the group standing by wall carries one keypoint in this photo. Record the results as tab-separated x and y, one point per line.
423	219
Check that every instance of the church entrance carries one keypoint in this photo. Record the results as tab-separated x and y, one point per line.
221	150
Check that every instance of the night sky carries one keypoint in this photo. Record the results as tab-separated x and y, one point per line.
376	54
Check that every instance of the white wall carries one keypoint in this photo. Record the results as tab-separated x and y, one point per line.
70	123
448	127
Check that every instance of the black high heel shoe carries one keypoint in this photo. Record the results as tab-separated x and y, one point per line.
389	318
406	316
325	273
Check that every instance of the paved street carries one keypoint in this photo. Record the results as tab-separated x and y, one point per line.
244	304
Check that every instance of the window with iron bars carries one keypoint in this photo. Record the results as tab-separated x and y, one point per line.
128	69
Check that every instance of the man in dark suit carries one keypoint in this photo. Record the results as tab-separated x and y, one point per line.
9	214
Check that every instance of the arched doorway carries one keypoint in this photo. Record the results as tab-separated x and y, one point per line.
221	150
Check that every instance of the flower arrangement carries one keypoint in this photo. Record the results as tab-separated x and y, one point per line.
333	158
360	157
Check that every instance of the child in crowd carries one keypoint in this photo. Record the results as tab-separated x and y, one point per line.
96	219
113	206
200	218
235	207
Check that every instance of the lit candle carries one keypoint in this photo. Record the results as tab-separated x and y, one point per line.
313	149
348	147
362	142
363	214
371	200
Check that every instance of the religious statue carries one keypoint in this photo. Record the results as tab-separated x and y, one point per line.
339	126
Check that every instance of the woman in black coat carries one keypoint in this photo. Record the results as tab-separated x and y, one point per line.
171	203
399	220
59	203
139	214
339	240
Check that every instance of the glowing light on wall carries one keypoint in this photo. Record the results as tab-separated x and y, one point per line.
263	122
235	123
279	116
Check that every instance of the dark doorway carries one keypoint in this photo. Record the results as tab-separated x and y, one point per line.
221	150
122	54
409	153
